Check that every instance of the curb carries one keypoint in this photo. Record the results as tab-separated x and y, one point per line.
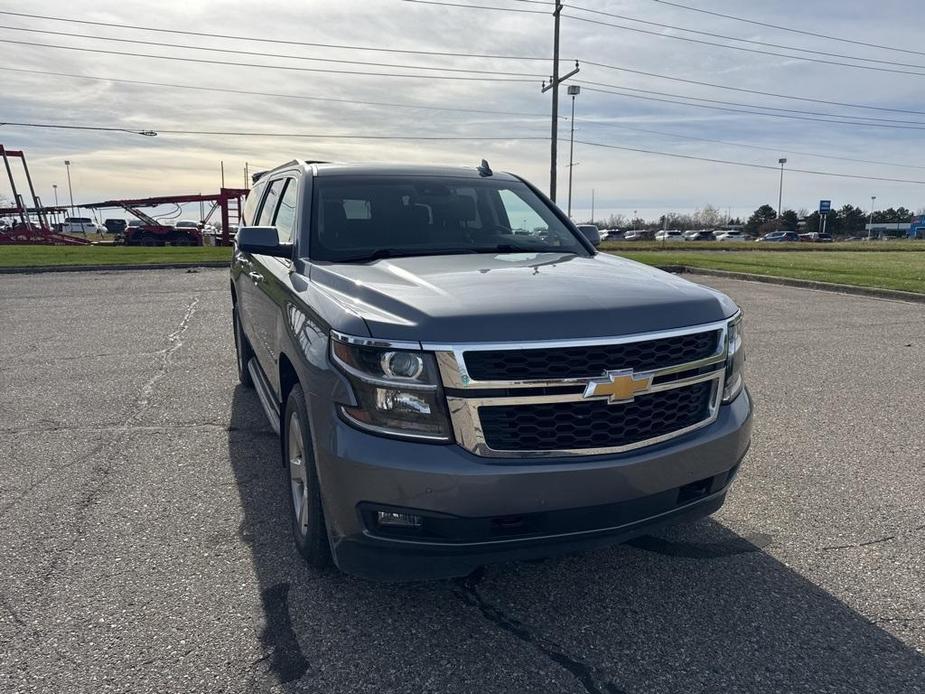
873	292
111	268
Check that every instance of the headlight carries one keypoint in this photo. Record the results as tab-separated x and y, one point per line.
398	391
735	360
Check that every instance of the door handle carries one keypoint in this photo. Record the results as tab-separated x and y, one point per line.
255	276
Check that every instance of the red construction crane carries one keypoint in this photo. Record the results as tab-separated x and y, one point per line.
152	232
25	230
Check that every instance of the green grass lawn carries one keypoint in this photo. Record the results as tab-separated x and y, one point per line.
36	256
891	270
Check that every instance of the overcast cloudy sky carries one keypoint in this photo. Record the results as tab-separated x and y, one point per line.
107	165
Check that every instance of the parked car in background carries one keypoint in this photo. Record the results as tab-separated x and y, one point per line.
187	224
816	237
81	225
780	236
636	235
701	235
732	235
115	226
160	233
669	235
591	233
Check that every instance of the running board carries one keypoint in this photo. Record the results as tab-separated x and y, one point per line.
264	394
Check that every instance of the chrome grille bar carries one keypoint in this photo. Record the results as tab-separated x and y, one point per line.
464	407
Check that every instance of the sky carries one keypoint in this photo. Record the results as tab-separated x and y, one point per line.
513	115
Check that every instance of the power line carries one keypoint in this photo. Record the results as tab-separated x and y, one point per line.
476	7
265	66
259	39
347	136
756	113
761	92
784	150
759	106
814	34
742	48
289	56
778	150
250	92
741	40
309	136
767	167
439	53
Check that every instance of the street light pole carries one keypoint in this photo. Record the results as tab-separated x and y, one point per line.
780	192
635	212
70	190
870	220
573	90
55	188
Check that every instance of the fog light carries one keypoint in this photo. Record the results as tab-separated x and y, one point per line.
398	520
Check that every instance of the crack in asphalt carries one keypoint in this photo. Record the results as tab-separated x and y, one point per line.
587	675
101	471
876	541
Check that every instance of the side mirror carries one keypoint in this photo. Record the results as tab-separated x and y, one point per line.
262	241
593	235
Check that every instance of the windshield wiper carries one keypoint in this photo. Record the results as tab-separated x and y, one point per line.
509	248
384	253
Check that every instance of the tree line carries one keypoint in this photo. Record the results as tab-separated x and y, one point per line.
845	221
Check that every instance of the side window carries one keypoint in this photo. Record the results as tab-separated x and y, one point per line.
270	202
521	216
250	205
285	214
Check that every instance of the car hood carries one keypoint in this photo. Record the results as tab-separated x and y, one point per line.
516	296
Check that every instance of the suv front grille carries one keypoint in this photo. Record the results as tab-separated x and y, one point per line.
594	424
578	362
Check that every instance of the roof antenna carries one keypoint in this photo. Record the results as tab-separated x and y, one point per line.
484	169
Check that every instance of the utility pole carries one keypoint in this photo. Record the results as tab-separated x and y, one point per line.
70	190
780	192
592	206
554	83
870	220
55	188
222	163
573	90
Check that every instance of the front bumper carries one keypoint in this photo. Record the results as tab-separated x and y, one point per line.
489	510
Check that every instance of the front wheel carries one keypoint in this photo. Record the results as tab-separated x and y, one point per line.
308	527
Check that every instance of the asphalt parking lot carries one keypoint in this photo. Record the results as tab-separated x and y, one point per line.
146	546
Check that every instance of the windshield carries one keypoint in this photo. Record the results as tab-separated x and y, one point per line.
364	218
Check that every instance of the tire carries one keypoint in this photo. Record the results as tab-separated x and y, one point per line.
242	349
308	527
149	240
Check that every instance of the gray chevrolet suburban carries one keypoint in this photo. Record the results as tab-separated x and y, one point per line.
458	377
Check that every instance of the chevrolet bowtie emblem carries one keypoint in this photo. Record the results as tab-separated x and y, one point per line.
621	386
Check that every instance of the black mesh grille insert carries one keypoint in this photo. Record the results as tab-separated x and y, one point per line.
594	424
578	362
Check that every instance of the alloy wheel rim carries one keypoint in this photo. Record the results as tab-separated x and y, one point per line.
298	476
